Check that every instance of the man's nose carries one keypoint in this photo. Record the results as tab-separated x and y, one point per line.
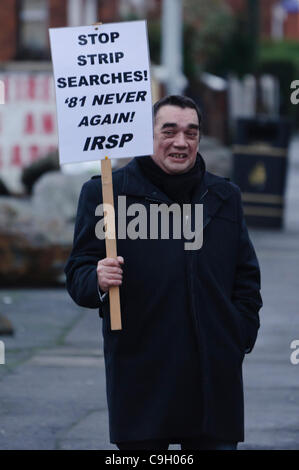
180	140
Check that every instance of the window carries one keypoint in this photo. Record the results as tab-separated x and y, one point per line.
81	12
33	35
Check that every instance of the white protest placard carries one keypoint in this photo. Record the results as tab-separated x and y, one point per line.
103	91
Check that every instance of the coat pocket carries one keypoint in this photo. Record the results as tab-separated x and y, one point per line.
241	328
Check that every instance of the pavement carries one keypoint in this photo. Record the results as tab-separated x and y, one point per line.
52	385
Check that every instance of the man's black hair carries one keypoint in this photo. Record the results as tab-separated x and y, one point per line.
181	102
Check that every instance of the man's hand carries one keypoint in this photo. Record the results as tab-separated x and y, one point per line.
109	272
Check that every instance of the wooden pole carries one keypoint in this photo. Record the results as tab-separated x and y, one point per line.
110	240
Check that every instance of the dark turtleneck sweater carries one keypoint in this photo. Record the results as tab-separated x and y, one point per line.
179	187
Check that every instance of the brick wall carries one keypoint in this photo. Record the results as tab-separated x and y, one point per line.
237	5
9	25
291	26
57	13
8	30
108	11
266	17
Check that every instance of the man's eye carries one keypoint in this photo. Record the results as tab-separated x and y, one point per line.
168	133
192	134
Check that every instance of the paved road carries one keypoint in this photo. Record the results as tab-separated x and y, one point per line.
52	387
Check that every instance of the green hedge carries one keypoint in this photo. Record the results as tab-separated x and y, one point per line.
277	50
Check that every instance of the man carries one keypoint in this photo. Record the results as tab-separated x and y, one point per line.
174	372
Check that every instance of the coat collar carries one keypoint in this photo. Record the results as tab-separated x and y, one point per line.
135	184
212	192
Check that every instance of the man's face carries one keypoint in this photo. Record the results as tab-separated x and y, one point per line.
176	139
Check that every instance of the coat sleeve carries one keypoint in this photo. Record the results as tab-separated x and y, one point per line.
80	270
246	292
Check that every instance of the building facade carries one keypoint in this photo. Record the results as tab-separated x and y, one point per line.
24	23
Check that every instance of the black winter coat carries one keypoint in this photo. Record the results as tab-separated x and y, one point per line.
175	369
